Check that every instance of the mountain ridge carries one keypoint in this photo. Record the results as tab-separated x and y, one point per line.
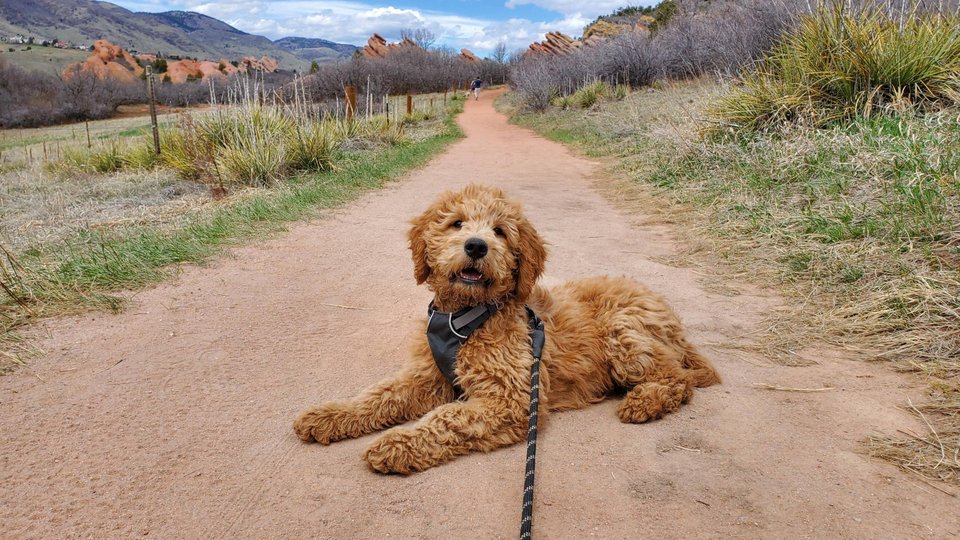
180	33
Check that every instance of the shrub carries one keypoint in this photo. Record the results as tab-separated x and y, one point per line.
590	95
691	40
840	63
312	147
141	156
407	70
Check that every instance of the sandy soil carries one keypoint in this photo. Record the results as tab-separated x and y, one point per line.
173	419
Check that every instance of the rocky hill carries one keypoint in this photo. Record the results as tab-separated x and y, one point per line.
114	62
173	33
621	21
315	49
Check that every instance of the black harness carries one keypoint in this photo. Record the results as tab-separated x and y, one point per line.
446	332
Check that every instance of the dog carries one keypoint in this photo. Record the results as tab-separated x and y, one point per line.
603	335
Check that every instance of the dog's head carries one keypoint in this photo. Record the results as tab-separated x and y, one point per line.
475	246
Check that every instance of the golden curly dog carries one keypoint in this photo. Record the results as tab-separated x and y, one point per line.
603	335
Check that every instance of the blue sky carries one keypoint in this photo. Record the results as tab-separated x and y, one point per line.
472	24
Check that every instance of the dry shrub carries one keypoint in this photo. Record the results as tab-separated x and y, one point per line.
697	38
839	63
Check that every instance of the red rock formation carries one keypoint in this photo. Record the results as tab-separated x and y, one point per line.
107	61
377	47
265	63
557	43
467	54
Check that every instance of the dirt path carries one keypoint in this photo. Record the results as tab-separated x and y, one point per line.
174	418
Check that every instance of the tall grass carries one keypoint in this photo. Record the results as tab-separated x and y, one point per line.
245	142
841	62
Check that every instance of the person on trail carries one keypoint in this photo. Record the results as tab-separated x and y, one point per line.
475	86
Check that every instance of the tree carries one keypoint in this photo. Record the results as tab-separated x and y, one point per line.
160	65
421	36
500	52
314	67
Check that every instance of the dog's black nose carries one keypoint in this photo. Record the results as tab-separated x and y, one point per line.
475	248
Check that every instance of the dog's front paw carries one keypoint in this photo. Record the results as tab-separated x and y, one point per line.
325	424
394	453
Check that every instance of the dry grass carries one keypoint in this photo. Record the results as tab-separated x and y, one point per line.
48	144
934	455
42	207
855	225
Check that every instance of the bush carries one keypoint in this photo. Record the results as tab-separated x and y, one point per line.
839	63
31	99
700	38
407	70
590	95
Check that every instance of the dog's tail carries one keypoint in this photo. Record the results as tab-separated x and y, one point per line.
702	371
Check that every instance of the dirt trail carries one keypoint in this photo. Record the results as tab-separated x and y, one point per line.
173	419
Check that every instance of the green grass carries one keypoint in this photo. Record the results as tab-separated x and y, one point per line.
49	60
86	270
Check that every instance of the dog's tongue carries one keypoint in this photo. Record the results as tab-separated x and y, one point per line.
471	273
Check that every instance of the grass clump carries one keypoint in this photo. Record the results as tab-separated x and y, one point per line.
840	63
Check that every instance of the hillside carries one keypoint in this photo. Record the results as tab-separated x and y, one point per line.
317	49
180	33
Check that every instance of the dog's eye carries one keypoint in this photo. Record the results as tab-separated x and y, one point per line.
457	224
498	231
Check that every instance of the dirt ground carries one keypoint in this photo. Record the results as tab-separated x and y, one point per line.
174	418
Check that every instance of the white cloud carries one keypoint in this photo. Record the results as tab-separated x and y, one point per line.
347	21
591	9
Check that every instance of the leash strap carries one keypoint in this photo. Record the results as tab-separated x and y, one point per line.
537	336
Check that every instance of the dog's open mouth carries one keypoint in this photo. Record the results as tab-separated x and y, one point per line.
470	275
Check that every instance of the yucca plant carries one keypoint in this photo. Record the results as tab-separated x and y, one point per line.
839	63
141	156
103	159
183	150
561	102
312	147
590	95
380	129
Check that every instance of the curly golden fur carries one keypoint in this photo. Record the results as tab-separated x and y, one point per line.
603	335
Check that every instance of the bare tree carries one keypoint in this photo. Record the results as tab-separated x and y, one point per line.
500	52
421	36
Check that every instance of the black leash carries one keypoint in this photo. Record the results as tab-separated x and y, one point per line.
537	336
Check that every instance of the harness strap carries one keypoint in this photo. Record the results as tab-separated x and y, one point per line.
446	332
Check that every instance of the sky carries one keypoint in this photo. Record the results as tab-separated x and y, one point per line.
474	24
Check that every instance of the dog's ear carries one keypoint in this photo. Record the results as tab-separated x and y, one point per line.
531	258
418	244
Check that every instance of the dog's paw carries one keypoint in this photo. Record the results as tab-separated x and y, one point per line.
393	453
324	424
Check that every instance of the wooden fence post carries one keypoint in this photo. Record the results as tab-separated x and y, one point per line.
87	124
351	105
151	95
409	104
